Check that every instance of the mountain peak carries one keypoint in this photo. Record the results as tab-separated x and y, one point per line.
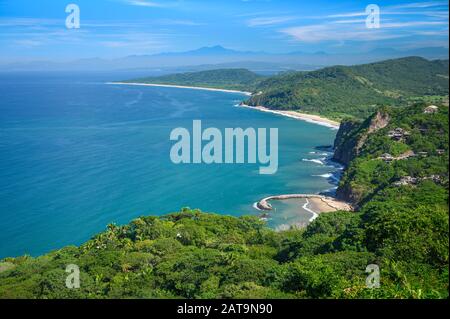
216	49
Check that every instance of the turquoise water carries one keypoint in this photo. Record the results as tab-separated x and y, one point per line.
77	154
288	212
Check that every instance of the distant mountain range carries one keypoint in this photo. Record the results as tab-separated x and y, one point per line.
215	57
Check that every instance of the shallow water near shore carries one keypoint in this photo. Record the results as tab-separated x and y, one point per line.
287	213
77	154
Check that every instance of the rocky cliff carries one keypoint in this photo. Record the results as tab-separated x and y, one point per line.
352	135
345	142
349	141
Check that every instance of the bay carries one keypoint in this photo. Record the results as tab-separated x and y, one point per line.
77	154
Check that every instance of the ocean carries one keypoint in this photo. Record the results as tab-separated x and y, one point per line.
77	154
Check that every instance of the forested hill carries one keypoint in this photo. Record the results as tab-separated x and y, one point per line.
401	225
231	79
357	91
393	147
336	92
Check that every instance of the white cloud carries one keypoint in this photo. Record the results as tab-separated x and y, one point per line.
29	22
349	26
416	5
178	22
355	30
347	15
330	32
412	24
350	21
145	3
267	21
28	43
403	9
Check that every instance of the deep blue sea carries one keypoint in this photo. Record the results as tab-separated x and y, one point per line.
77	154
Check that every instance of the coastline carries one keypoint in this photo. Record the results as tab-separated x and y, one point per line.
315	204
181	87
315	119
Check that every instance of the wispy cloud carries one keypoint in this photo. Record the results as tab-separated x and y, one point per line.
417	5
146	3
330	32
268	21
28	43
178	22
413	24
403	9
346	15
28	22
350	26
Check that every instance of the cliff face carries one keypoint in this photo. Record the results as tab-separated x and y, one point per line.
352	135
345	142
349	141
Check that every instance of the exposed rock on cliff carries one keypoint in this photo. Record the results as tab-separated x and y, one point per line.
352	135
345	142
349	141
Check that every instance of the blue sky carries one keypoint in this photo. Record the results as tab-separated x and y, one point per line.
31	29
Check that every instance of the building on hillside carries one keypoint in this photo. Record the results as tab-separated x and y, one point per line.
398	134
431	109
387	157
406	180
422	154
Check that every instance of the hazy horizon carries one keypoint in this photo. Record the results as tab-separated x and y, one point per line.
114	29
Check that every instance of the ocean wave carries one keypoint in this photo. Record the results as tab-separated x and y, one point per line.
330	191
314	214
255	206
327	175
318	161
320	153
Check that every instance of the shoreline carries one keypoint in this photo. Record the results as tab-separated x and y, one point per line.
315	204
181	87
305	207
310	118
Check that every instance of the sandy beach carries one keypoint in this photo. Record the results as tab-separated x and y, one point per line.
328	204
181	87
315	204
316	119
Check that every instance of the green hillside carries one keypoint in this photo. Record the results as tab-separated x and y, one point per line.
401	225
231	79
340	91
336	92
419	152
